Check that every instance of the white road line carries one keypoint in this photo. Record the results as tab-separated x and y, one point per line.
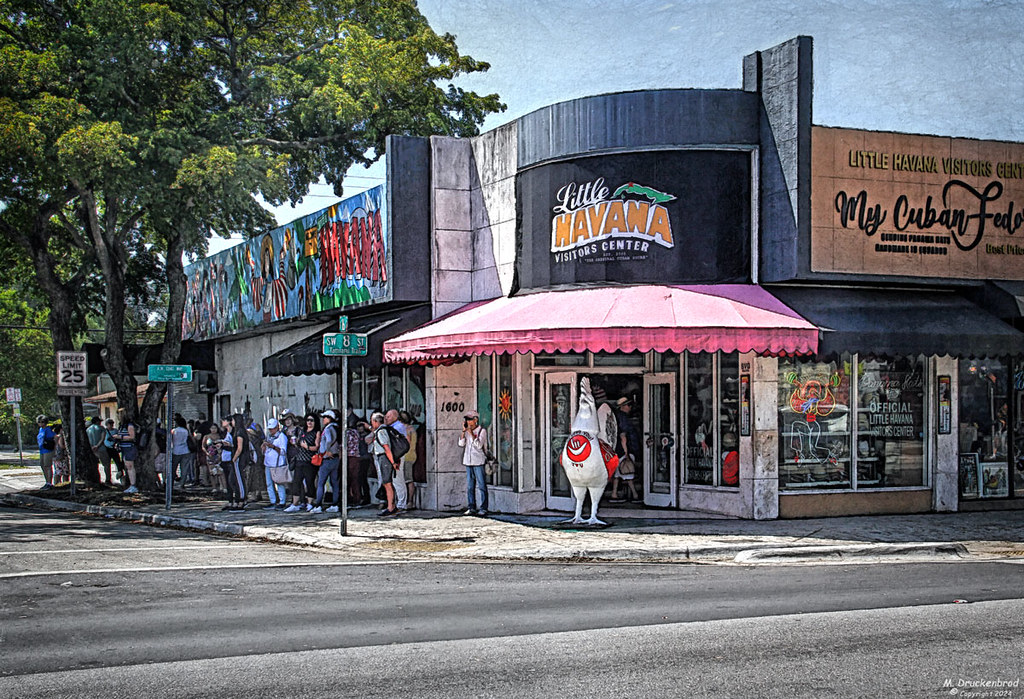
131	548
158	569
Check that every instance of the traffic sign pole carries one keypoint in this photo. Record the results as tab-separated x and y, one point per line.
344	463
73	440
168	476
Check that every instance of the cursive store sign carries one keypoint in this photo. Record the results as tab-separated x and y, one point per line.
917	206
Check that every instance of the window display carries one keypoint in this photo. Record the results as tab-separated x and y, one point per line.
700	419
814	424
890	422
984	429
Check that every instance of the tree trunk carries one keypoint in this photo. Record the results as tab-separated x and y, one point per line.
60	297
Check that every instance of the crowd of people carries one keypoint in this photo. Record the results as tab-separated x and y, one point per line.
300	457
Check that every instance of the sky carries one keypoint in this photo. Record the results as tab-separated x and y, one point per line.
940	67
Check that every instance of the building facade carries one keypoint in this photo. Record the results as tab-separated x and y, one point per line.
795	320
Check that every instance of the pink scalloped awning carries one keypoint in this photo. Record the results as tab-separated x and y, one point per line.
698	318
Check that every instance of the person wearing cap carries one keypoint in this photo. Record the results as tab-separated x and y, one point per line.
275	455
474	455
329	448
46	438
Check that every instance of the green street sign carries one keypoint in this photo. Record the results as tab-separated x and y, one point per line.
170	372
344	345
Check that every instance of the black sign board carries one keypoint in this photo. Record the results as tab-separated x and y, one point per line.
676	216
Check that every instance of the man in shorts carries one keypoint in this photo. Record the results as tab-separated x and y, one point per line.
381	449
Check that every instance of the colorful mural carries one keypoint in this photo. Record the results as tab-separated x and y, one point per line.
332	259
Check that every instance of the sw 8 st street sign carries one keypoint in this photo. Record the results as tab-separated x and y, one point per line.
344	345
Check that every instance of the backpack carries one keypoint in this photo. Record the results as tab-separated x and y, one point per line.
399	444
49	443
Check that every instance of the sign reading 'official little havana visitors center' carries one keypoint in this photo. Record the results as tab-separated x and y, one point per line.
924	206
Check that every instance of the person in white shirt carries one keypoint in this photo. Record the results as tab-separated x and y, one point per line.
474	456
180	455
275	455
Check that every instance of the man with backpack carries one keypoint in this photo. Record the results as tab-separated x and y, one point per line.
385	460
395	425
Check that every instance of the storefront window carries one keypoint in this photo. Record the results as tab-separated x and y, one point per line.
729	420
890	422
560	359
700	419
503	436
984	422
618	359
814	425
1018	431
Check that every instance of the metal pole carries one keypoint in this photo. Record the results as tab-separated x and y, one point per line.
344	440
73	440
168	476
21	448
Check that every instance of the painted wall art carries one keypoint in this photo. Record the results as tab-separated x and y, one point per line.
335	258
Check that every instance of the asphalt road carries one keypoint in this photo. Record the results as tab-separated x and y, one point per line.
96	608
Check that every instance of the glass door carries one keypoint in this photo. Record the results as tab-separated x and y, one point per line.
659	433
559	407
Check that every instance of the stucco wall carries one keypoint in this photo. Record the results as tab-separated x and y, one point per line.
240	375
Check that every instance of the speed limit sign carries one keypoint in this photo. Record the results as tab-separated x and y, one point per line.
71	374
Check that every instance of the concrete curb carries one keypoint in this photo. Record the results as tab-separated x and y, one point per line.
202	525
743	553
851	552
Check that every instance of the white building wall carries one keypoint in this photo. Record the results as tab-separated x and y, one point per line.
240	376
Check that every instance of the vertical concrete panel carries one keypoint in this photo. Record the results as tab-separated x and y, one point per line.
764	488
946	470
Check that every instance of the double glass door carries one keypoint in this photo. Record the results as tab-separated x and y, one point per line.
653	415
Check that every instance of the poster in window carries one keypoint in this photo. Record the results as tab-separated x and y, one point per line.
969	475
995	481
945	409
745	405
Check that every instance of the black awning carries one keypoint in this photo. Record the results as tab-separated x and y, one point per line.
1002	299
306	357
891	322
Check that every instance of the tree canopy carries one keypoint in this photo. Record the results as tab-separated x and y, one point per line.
133	129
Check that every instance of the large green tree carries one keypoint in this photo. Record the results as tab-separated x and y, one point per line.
128	126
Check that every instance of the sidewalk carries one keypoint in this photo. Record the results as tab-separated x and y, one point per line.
632	535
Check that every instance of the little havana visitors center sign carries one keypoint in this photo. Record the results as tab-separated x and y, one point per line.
923	206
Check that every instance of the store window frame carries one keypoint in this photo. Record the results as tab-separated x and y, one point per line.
853	432
717	402
496	390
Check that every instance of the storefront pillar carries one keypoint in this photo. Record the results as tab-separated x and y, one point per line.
945	474
450	395
759	481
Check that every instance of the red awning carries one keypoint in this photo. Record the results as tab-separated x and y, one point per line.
698	318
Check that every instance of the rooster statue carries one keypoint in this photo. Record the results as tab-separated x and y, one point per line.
588	462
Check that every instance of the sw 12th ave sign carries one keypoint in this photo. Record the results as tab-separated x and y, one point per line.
344	345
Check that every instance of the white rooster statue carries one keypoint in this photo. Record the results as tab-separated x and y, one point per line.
588	462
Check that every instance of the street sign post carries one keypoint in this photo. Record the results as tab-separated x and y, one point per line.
72	374
172	374
175	373
344	345
13	395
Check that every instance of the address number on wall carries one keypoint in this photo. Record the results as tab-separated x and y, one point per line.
453	406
